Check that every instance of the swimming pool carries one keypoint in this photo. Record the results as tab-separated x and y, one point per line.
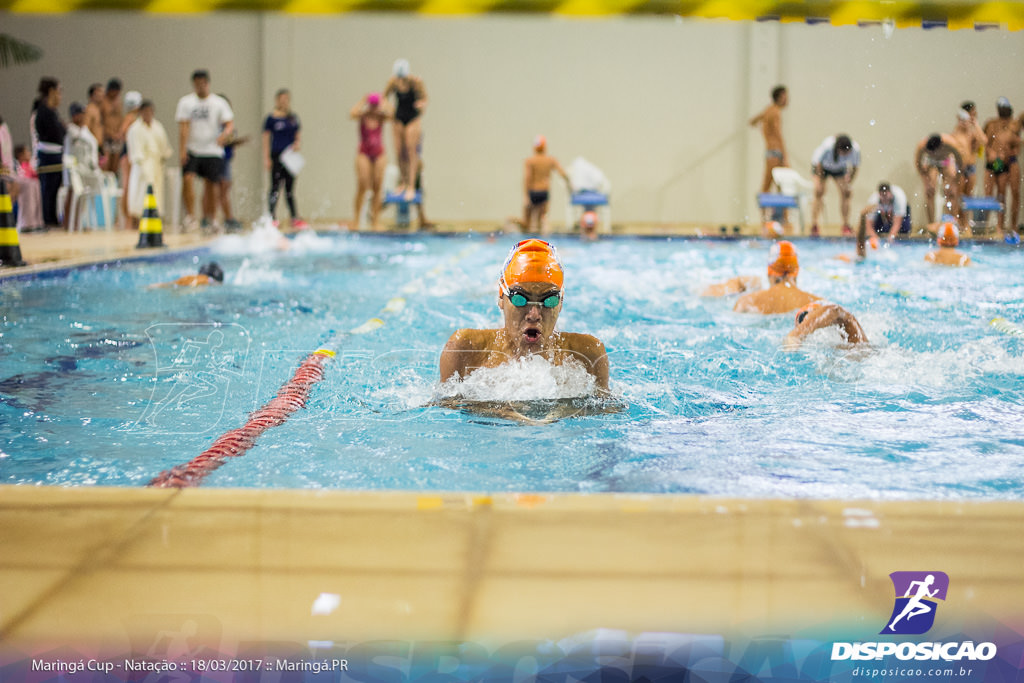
103	382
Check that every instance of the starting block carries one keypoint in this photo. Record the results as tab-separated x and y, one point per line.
770	200
980	204
589	200
399	198
403	204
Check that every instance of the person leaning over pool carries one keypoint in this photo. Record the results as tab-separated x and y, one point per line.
530	294
782	294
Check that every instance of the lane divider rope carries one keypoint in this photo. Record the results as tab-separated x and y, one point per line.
290	397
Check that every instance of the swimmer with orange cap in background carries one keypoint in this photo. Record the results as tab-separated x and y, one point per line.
818	315
537	186
782	295
530	292
947	236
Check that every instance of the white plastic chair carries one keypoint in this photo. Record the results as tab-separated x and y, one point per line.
81	193
792	184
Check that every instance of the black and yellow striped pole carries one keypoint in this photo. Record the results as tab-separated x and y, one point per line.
151	229
10	249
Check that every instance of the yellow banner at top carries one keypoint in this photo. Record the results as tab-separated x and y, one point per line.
954	14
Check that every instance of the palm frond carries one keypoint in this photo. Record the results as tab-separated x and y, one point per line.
14	52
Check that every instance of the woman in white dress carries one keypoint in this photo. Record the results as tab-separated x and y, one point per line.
149	149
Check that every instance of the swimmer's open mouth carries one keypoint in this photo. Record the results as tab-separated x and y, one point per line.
532	334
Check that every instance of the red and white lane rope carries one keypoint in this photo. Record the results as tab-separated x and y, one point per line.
291	397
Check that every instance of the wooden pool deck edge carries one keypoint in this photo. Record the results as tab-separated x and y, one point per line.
89	565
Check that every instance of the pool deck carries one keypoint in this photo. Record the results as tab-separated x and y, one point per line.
90	566
111	567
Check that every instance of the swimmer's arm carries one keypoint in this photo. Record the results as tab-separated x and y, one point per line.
736	285
183	128
421	91
826	316
358	110
757	119
591	352
527	177
460	354
492	409
744	305
561	171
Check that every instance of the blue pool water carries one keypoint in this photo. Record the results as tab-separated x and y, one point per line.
103	382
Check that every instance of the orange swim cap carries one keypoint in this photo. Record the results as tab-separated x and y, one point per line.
949	234
783	260
539	143
531	261
589	219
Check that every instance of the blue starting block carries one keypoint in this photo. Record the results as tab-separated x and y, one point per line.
398	199
981	204
979	208
589	198
770	200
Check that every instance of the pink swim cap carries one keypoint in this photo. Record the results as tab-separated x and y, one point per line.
373	99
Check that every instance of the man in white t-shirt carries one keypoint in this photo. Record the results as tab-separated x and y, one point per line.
837	157
205	123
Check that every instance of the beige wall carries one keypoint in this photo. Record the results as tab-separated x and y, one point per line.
659	103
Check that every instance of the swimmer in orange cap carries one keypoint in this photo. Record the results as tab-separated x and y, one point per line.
530	291
537	186
782	294
947	235
818	315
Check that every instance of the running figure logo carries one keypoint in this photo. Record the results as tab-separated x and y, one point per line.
916	595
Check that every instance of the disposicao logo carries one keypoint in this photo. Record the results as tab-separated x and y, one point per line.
916	596
913	613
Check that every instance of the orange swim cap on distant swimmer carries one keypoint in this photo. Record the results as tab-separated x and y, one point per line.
948	235
539	143
531	261
783	260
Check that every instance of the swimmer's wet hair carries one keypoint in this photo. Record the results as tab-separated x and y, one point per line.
212	271
934	141
777	93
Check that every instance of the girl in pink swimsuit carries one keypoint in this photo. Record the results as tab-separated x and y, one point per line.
370	159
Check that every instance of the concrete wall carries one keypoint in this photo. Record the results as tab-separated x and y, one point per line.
659	103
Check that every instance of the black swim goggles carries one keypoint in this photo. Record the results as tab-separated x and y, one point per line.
517	297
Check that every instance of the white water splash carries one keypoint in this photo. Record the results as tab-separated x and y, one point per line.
524	379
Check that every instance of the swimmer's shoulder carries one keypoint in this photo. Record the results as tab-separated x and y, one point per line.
469	339
466	350
591	349
582	343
